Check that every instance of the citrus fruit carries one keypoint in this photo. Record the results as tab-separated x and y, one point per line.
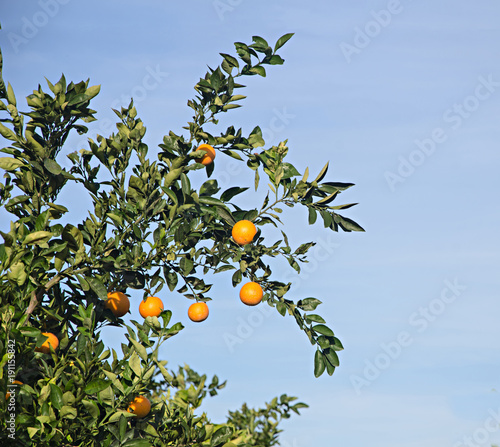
152	307
7	394
243	232
52	340
140	406
198	312
209	154
118	303
251	293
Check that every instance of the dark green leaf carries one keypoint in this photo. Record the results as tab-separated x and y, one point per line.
308	304
56	396
319	364
98	287
312	215
95	386
347	224
282	40
52	166
323	330
228	194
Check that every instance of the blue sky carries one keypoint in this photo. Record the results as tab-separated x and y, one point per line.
403	99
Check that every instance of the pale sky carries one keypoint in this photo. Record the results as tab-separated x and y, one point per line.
403	99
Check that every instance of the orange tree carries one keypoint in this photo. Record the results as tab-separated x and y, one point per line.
147	228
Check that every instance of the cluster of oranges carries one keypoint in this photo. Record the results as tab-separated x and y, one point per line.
251	294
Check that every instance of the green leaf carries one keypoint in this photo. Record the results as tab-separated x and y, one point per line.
29	331
137	443
255	137
98	287
7	133
319	364
337	344
186	184
228	194
52	166
221	436
258	69
93	91
233	154
347	224
312	215
323	330
313	317
11	98
308	304
231	61
95	386
289	171
38	237
68	412
282	40
56	396
10	164
236	279
206	200
230	106
281	308
326	200
17	273
275	60
332	357
91	407
322	174
186	265
260	42
172	280
135	363
343	207
141	350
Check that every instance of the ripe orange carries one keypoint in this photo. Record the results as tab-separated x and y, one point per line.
7	394
243	232
251	293
52	340
118	303
198	312
140	406
209	154
152	307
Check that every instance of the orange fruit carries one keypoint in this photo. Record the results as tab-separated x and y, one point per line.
251	293
152	307
140	406
198	312
118	303
52	340
209	154
7	394
243	232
